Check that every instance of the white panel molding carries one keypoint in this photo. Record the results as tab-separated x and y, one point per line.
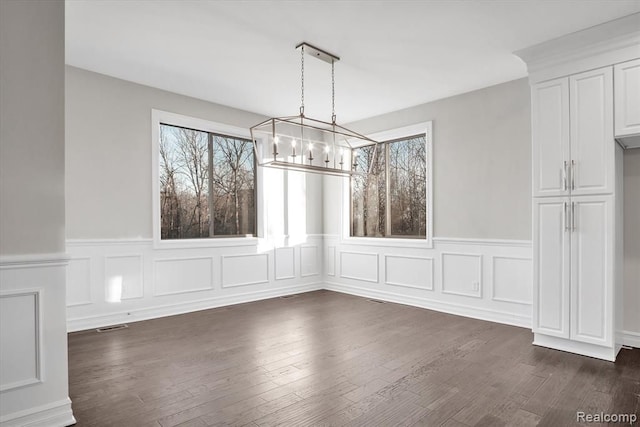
629	338
303	263
140	274
330	261
38	375
493	279
483	242
108	242
276	255
491	315
53	414
364	279
474	294
428	287
87	279
258	281
190	290
8	262
146	313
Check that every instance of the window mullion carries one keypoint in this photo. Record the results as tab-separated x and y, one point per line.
210	171
387	176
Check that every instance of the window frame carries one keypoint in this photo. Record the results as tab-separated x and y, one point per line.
384	137
158	118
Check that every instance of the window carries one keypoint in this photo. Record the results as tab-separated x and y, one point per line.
393	200
205	183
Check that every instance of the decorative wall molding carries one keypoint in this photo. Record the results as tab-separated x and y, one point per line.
169	281
330	261
127	276
484	242
177	276
33	260
406	268
309	265
359	260
78	281
282	263
53	414
463	278
525	276
442	306
249	274
23	343
156	310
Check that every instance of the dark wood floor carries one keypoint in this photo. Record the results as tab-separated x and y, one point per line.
325	358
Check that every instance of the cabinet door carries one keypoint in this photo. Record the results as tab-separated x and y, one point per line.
550	137
592	284
592	143
627	98
551	266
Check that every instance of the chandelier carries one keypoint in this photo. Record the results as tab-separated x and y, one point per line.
306	144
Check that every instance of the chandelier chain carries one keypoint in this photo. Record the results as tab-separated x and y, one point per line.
333	92
302	80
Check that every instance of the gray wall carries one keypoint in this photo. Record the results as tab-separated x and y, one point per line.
31	127
481	161
632	240
108	156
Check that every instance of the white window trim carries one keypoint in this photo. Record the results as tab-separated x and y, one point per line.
427	242
158	117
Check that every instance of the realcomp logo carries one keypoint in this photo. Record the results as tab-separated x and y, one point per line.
601	417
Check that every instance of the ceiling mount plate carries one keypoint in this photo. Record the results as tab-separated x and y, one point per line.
318	53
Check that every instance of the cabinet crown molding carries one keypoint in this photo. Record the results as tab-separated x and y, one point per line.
601	45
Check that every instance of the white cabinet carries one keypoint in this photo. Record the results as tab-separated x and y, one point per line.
592	249
572	130
627	95
550	134
573	268
592	144
552	261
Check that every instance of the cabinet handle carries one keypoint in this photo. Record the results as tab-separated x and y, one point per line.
573	174
573	216
564	176
564	217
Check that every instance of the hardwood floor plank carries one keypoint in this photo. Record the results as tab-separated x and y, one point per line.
329	359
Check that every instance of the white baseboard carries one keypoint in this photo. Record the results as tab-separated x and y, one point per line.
56	414
136	315
585	349
632	339
444	307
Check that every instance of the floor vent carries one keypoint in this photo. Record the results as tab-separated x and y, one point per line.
377	301
112	328
288	296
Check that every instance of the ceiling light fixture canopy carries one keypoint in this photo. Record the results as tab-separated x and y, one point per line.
306	144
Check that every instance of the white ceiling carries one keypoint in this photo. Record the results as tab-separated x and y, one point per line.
394	54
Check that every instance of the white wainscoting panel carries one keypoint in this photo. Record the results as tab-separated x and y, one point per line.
359	266
285	263
126	273
409	271
79	282
309	261
462	274
330	261
20	331
242	270
512	279
181	275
